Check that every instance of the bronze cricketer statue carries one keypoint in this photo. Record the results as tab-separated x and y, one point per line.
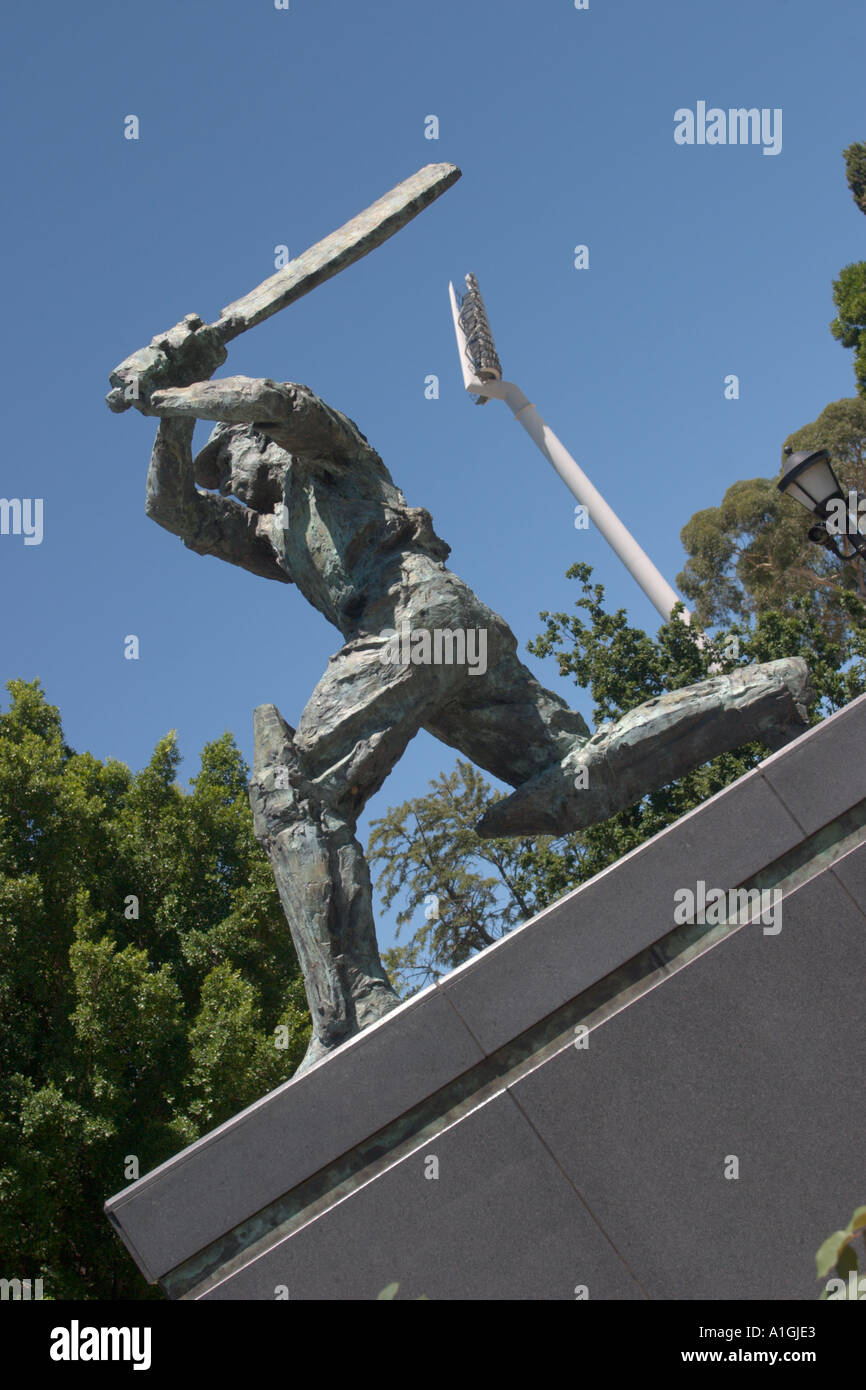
290	489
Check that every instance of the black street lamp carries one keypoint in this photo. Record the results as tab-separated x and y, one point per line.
809	479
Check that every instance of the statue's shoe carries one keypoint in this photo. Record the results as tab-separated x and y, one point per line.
316	1052
655	743
368	1005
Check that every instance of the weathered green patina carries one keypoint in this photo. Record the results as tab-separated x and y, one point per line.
291	490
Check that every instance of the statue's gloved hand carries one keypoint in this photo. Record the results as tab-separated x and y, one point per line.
233	399
189	352
291	415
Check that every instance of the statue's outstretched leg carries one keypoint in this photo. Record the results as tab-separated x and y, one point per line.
324	887
658	741
566	779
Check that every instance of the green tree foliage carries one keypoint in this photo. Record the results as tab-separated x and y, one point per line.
461	892
428	851
849	296
840	1253
144	967
752	553
849	290
855	172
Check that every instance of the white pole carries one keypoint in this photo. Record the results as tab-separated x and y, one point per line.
633	556
602	515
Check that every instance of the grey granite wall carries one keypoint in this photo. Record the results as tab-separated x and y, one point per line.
611	1102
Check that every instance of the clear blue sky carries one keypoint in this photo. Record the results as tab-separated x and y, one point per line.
261	127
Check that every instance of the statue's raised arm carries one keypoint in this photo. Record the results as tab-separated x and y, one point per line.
208	524
242	518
